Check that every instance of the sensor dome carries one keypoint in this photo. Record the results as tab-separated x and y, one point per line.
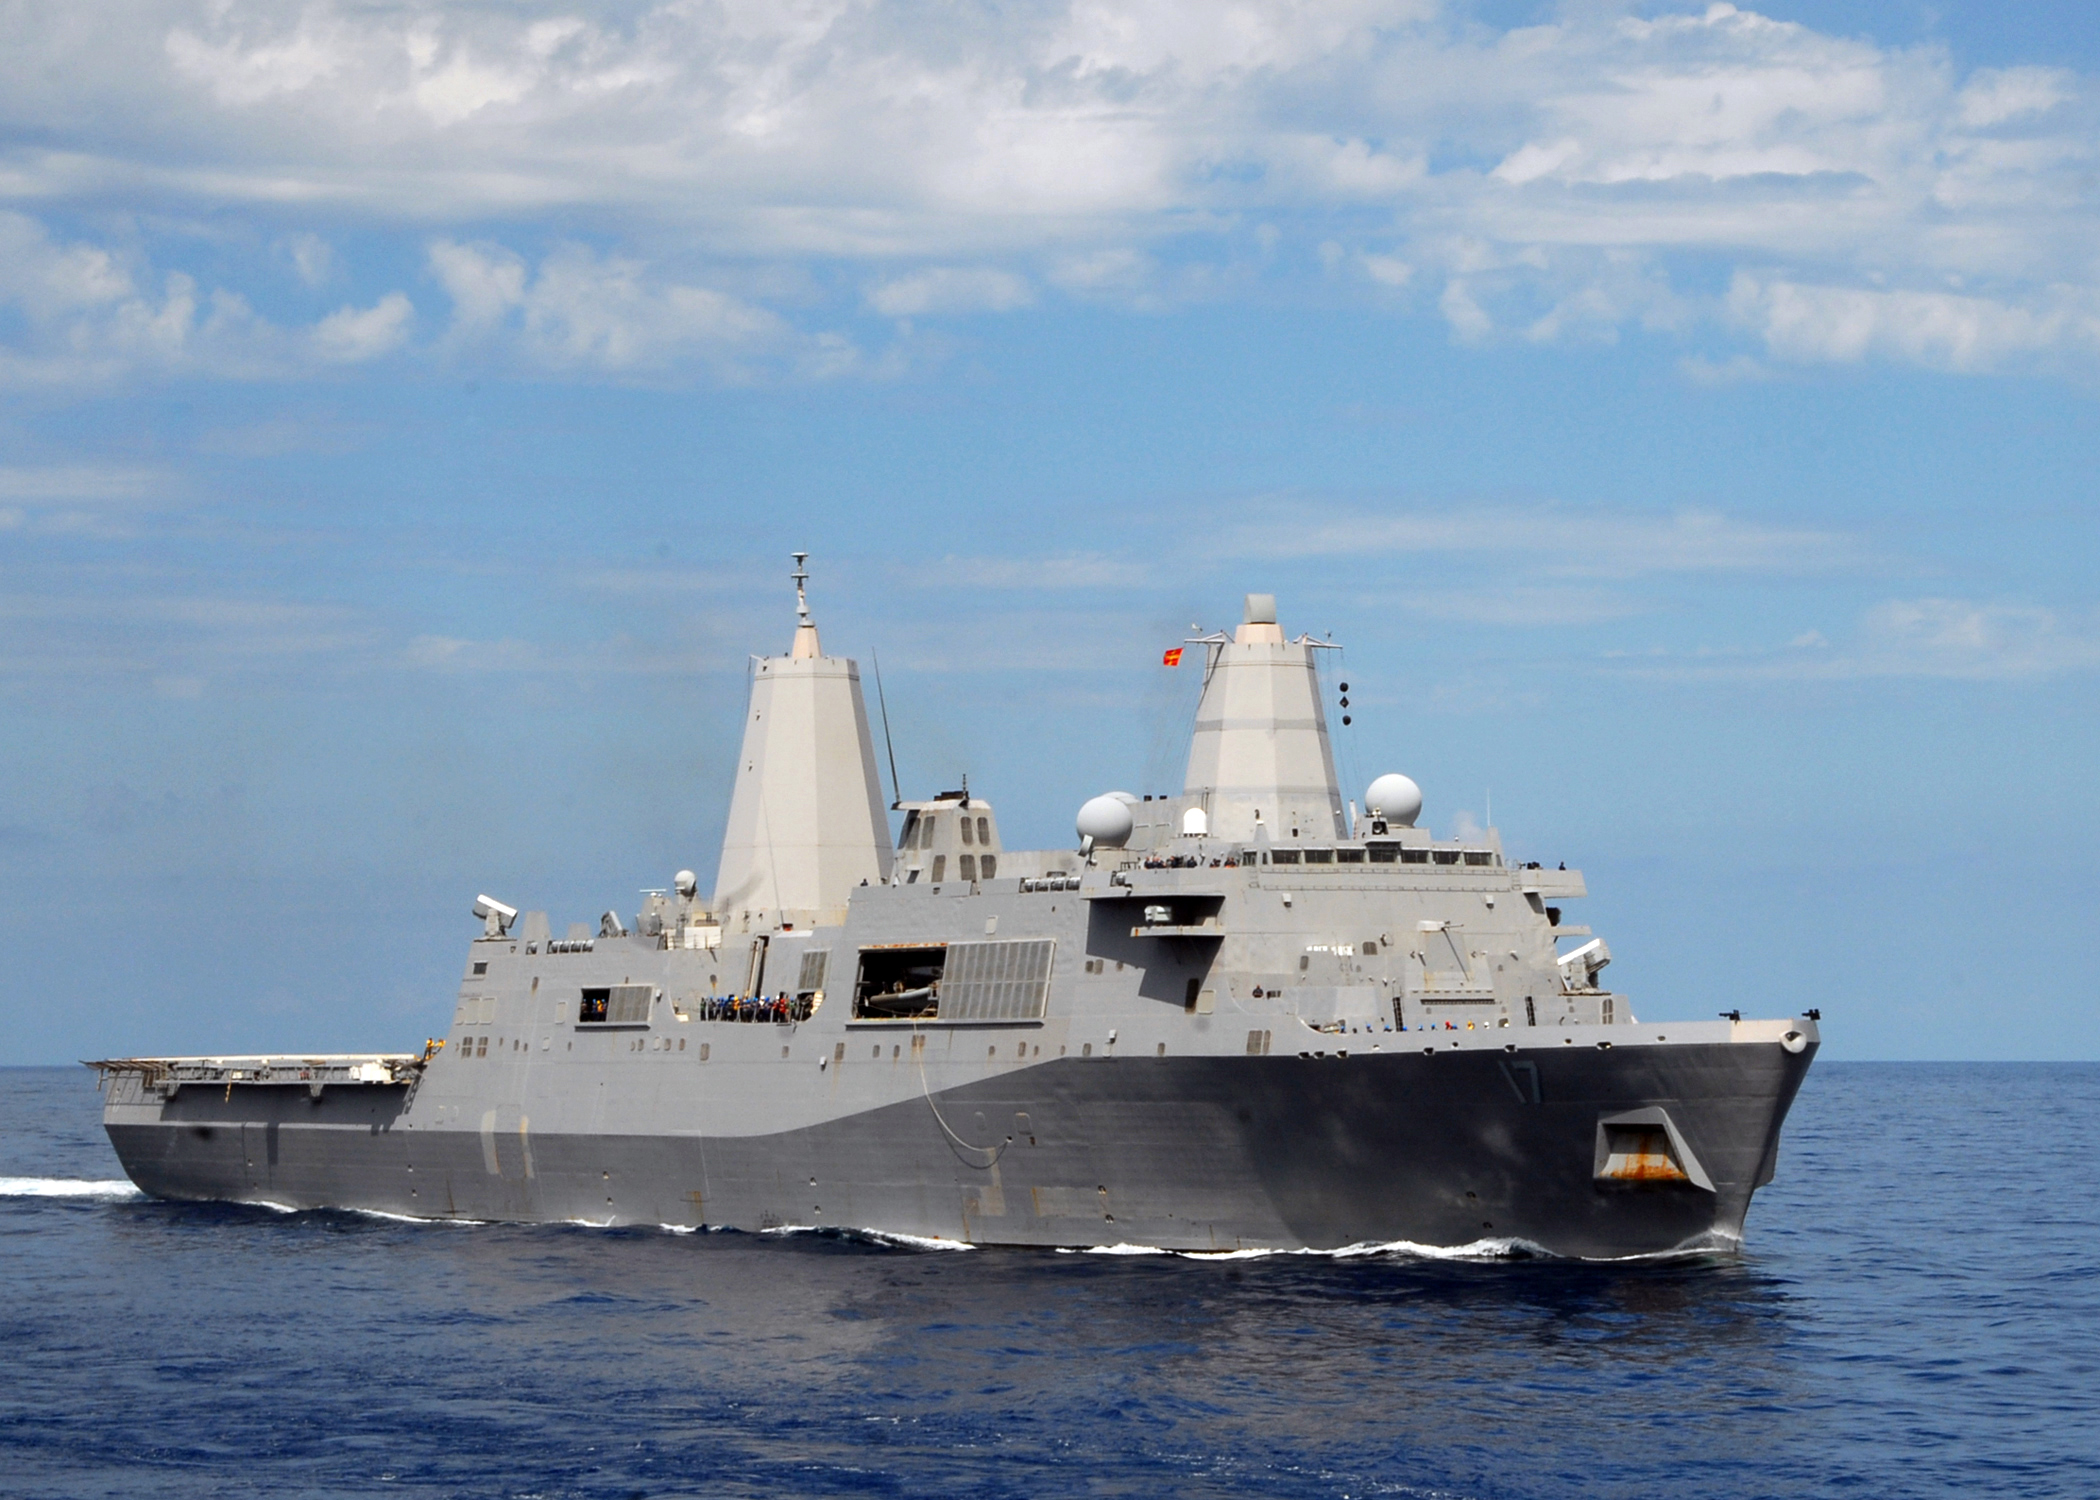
1107	820
1394	798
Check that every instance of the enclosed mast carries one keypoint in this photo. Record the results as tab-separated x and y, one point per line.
1260	755
806	822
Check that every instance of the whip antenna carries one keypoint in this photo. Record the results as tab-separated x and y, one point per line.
897	792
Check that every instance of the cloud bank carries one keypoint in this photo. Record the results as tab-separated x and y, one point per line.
738	190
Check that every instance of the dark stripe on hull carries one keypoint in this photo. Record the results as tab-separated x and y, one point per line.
1182	1153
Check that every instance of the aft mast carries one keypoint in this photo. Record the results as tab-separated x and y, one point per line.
1260	754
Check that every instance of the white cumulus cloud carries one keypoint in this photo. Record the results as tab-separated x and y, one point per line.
352	334
613	315
950	289
1944	330
1730	179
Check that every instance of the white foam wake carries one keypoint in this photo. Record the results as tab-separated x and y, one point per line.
1493	1249
119	1189
67	1187
386	1214
911	1241
874	1236
1123	1249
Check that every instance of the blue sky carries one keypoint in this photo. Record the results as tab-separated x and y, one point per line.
1684	416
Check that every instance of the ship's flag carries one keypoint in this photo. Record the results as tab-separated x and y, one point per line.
1172	658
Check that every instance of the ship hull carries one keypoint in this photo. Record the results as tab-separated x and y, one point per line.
1187	1153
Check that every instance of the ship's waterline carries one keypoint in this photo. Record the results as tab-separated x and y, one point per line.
1242	1018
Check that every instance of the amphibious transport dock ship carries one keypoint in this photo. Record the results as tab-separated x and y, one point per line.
1245	1016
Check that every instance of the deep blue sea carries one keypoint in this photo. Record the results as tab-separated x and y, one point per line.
1917	1313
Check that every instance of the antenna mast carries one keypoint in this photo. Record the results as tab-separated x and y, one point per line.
896	792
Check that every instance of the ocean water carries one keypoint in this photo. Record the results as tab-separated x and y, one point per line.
1916	1313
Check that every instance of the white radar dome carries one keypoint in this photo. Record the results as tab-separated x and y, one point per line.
686	882
1107	820
1394	798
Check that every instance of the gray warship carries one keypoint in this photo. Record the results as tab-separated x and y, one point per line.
1248	1017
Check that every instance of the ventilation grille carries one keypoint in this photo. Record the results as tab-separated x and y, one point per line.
996	981
814	962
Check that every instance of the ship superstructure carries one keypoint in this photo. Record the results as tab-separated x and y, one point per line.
1240	1017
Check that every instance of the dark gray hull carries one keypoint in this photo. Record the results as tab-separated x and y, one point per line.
1187	1153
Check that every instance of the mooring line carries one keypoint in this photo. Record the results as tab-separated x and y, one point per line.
919	1059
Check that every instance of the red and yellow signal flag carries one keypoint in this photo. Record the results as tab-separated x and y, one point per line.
1172	658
